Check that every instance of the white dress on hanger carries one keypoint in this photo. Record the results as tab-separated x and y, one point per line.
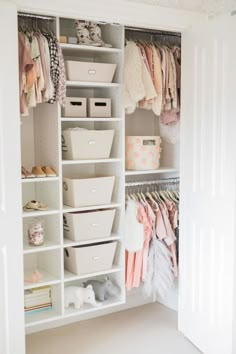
134	231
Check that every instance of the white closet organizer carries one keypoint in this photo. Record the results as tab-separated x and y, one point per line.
41	144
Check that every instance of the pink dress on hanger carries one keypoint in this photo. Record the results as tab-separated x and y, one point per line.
151	219
170	238
138	263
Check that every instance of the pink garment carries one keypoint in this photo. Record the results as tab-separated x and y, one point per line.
160	226
173	213
43	61
151	219
134	260
130	258
170	240
169	117
144	57
149	55
170	236
146	104
138	267
25	65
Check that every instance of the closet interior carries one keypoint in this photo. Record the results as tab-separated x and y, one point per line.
75	179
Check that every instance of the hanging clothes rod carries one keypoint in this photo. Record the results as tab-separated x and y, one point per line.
152	31
147	183
41	17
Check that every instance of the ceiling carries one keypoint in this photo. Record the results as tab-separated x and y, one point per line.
211	7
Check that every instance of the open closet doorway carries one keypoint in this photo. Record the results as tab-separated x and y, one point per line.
206	177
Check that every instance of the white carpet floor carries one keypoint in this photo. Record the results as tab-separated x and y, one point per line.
149	329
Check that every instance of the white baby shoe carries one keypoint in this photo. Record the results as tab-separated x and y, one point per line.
83	34
96	34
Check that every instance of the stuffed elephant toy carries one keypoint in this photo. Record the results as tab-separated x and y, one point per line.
78	296
103	289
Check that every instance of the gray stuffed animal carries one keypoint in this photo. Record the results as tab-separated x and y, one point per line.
103	289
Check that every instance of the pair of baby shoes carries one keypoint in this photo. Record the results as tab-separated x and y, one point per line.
38	172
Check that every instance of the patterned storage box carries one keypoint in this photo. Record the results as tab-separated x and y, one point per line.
142	152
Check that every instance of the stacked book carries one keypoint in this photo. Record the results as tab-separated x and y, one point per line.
38	300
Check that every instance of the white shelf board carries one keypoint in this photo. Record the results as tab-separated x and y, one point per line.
70	243
73	48
47	246
160	170
79	162
47	279
41	317
88	119
71	311
29	214
68	276
52	315
90	84
46	179
68	209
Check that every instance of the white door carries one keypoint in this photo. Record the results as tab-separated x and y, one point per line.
208	139
11	272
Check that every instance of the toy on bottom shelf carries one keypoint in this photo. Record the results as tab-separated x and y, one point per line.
79	296
103	289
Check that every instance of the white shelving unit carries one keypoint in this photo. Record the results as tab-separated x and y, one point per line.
42	133
41	145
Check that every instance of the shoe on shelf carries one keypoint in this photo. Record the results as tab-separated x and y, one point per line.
83	34
96	34
34	205
49	171
34	277
25	173
38	172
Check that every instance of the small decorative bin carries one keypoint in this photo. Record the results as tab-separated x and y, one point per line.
90	259
36	232
142	153
75	107
83	226
99	107
86	144
90	71
78	192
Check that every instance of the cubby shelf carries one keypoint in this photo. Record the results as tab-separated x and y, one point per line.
88	119
148	172
91	84
46	179
68	209
30	214
88	308
78	162
69	243
42	317
52	315
42	132
47	279
47	246
68	276
69	49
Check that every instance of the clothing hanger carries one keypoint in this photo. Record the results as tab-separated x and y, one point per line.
172	196
149	195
